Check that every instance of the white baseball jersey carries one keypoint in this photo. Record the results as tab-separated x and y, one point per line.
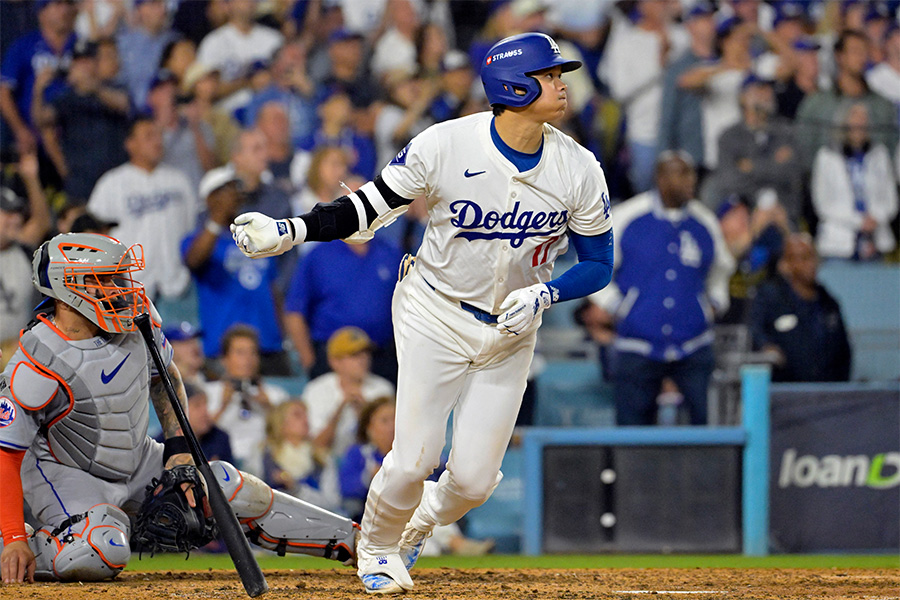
493	229
157	210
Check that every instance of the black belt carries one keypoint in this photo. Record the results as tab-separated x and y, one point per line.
482	315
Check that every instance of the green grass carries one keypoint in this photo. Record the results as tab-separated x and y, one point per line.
202	562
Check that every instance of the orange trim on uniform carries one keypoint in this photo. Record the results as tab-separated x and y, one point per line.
263	536
62	382
241	475
86	535
12	508
265	512
55	540
43	319
13	391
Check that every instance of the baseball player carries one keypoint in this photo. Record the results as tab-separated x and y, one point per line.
73	428
506	193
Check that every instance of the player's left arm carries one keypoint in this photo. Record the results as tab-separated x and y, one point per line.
176	448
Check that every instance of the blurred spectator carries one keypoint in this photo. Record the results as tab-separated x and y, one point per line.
720	83
187	352
877	20
404	116
803	80
335	399
291	87
327	169
250	162
49	48
288	166
324	297
108	63
98	19
89	118
374	438
141	46
337	129
293	463
201	83
232	288
233	47
671	277
431	47
455	96
790	24
187	140
854	191
88	223
395	50
67	215
633	64
241	399
23	226
884	77
815	117
754	237
756	155
153	204
681	120
215	443
177	58
347	68
796	319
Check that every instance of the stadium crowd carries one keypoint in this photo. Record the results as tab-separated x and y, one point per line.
158	121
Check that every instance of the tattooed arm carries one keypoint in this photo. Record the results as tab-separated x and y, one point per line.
166	413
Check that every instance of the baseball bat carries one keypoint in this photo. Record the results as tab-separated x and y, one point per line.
238	547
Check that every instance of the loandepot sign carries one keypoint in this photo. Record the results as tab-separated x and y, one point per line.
881	471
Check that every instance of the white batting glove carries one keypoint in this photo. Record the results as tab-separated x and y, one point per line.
522	308
258	235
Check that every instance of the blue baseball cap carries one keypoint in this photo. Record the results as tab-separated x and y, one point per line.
806	44
730	202
162	77
701	8
877	10
342	34
754	79
42	4
726	27
181	332
789	11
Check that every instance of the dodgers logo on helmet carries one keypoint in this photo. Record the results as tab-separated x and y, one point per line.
7	411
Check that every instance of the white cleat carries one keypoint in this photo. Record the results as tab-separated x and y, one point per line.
412	542
384	574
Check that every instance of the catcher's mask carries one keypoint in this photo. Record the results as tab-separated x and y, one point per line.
92	273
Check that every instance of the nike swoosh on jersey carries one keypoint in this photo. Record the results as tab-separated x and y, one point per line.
107	378
225	471
467	174
113	543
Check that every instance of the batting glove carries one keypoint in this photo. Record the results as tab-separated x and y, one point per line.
258	235
522	308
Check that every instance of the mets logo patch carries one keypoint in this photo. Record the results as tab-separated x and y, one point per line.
7	411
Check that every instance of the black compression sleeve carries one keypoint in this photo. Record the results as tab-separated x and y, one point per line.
338	220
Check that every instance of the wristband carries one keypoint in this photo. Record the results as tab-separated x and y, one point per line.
213	227
174	445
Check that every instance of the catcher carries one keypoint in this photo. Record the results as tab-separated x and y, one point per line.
74	444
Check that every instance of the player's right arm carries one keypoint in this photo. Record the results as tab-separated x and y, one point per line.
17	559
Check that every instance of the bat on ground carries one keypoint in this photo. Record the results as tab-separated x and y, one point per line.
238	547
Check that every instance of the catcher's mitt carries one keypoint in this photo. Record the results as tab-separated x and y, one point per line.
166	522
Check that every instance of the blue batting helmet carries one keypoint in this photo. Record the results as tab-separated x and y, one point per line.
509	64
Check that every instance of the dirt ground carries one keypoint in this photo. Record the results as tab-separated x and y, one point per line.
495	584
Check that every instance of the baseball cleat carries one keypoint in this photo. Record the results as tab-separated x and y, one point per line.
412	542
384	574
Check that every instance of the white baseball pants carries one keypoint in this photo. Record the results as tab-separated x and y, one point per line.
448	361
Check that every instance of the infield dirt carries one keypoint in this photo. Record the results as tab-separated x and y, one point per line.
494	584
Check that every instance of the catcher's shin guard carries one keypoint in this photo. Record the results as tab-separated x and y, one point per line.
276	521
91	546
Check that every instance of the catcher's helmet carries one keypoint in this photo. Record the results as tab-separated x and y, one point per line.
92	274
509	63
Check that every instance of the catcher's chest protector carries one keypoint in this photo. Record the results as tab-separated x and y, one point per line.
101	428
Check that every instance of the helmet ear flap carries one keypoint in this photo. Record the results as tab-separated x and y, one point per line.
43	265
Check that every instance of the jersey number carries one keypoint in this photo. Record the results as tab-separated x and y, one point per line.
540	253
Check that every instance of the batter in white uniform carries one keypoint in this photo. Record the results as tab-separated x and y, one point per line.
506	193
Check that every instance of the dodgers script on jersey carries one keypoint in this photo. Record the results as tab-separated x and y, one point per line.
493	229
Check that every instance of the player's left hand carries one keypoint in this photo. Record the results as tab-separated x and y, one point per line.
522	308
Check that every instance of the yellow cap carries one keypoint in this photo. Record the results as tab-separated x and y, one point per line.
347	341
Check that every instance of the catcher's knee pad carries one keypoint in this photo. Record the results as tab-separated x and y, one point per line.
88	547
276	521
